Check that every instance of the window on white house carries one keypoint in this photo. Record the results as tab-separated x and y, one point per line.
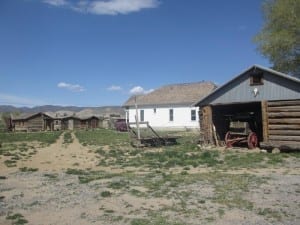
193	114
171	115
154	110
142	115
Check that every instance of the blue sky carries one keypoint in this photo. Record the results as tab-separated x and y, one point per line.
99	52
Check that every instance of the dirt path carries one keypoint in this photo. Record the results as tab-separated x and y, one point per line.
60	156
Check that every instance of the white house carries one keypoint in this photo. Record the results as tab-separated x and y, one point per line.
169	107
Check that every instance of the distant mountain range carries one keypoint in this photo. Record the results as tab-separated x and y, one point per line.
103	110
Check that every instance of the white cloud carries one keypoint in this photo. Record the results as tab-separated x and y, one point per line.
114	7
114	88
105	7
56	2
71	87
8	99
139	90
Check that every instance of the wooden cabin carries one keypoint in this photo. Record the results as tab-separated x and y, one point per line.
53	122
270	98
92	122
30	122
89	122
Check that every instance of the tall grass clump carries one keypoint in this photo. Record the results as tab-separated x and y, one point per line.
86	176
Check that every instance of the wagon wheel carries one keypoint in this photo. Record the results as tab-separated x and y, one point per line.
227	140
252	140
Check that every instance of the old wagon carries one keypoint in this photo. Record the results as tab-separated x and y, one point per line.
242	131
146	136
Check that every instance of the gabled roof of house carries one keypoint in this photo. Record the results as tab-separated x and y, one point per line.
58	115
87	117
25	116
173	95
83	115
254	67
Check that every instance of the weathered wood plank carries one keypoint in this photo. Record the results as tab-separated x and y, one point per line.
264	112
284	103
284	126
284	114
284	121
206	124
284	138
292	108
285	132
284	145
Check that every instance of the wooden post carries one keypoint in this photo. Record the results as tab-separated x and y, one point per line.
43	123
137	119
206	125
215	135
265	122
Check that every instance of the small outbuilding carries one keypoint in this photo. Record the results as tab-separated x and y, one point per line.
267	99
86	122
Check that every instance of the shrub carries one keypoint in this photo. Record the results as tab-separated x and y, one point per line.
26	169
105	194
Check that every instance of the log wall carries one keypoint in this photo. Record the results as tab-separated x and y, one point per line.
20	125
94	123
77	124
281	121
35	123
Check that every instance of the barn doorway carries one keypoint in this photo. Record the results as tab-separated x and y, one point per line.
222	115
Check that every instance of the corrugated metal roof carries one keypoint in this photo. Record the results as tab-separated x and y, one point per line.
236	78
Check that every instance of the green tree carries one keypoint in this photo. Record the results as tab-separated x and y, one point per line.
279	39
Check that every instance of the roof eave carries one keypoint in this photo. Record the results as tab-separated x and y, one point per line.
185	104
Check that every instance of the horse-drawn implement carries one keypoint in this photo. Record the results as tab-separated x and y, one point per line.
242	130
147	136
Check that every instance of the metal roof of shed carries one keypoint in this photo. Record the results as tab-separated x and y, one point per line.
226	87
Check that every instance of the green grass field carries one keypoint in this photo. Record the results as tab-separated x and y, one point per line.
43	137
114	149
102	137
21	146
203	184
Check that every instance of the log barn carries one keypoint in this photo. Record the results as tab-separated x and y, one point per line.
270	98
